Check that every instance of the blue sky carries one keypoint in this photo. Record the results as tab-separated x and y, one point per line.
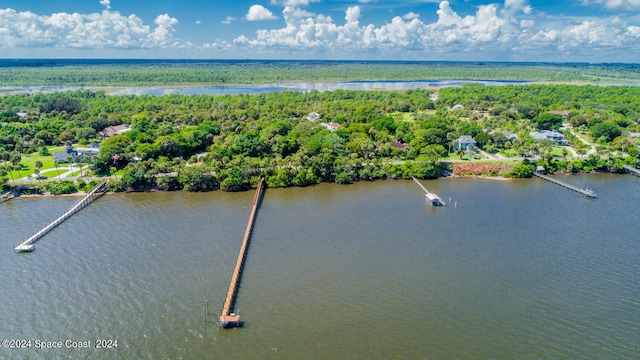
478	30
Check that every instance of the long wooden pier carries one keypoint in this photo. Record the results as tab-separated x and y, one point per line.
97	191
632	170
432	198
228	318
586	192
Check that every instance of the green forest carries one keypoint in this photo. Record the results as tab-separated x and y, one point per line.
228	142
175	73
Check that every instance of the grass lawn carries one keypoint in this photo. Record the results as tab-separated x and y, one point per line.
556	151
28	162
78	172
408	116
53	174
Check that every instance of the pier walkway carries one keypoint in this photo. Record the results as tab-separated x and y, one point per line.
432	198
632	170
586	192
97	191
228	317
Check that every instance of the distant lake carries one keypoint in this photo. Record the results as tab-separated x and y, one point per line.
305	87
251	89
263	88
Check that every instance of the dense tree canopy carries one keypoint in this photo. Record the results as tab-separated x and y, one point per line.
204	142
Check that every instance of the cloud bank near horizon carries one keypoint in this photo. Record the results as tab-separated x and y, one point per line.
513	30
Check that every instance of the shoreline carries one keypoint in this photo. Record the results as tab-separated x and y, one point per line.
449	177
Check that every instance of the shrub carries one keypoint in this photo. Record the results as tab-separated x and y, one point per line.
522	170
61	187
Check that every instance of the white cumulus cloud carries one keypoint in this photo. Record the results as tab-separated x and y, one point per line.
259	13
410	16
496	30
96	30
352	14
509	31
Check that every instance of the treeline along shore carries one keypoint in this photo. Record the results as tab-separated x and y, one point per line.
62	142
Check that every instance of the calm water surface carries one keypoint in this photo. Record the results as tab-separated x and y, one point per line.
510	269
262	88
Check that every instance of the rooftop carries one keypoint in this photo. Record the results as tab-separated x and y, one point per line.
114	130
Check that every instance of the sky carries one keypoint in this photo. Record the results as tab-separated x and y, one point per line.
453	30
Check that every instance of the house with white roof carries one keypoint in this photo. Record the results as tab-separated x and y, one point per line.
552	135
332	126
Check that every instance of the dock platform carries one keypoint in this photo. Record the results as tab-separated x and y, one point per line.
586	192
229	318
97	191
632	170
432	198
6	196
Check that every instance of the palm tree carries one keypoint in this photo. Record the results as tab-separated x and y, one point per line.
17	168
15	160
9	169
70	160
36	172
5	155
451	137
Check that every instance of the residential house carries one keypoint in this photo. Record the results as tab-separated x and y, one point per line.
114	130
563	113
552	135
399	145
87	151
508	135
332	126
464	141
62	156
313	116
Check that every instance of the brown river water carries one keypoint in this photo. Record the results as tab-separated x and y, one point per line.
518	269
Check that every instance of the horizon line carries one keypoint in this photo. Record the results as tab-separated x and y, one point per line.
318	60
